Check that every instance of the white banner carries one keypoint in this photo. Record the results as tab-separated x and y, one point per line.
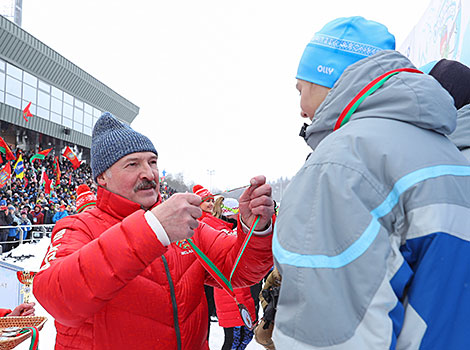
442	32
10	287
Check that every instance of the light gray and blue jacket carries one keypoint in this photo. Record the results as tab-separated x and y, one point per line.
461	136
372	238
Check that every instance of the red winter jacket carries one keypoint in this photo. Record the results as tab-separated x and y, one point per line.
38	218
110	284
228	313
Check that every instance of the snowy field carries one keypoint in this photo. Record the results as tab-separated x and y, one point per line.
35	253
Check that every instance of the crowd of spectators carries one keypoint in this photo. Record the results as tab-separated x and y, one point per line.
24	201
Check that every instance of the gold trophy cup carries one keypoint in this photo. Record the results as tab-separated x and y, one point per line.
26	278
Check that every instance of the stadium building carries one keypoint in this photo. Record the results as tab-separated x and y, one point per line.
65	101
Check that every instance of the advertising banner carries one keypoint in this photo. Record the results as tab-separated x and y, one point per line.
442	32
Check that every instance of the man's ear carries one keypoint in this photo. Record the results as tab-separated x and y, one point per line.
102	179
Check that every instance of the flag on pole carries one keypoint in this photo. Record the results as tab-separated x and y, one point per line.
19	168
47	184
6	150
5	174
72	157
26	112
40	155
57	171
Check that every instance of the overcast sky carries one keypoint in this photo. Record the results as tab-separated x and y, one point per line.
214	80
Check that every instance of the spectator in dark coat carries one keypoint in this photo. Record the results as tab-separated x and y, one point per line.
48	215
5	220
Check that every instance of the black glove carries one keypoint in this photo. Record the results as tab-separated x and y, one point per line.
271	295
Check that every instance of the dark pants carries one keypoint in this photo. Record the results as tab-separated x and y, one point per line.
209	291
237	338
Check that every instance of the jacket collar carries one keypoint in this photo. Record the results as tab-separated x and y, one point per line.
116	205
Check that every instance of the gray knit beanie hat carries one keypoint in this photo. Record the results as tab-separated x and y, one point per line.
111	140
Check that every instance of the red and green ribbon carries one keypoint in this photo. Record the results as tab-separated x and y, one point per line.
34	337
225	283
368	90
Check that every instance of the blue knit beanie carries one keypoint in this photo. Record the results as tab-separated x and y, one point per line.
111	140
339	44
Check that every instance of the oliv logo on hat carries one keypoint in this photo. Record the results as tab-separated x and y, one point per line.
339	44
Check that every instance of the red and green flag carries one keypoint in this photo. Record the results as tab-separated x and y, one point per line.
47	184
40	155
71	157
5	174
57	171
6	150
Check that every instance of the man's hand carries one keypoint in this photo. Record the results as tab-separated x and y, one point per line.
256	200
25	309
178	215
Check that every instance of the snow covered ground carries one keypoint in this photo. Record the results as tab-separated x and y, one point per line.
29	257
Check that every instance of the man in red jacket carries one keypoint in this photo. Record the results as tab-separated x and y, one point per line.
122	275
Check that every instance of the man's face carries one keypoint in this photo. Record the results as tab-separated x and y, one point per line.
311	97
134	177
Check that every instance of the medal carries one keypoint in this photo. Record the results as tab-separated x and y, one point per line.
225	283
245	314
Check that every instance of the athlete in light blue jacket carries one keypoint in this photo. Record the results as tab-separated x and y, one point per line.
372	238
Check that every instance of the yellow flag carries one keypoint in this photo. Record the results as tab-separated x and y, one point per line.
19	167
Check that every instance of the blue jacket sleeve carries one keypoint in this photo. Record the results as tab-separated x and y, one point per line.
439	291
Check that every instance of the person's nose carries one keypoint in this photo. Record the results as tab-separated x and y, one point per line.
147	172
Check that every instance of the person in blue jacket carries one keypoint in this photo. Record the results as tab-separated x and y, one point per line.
62	213
26	223
372	237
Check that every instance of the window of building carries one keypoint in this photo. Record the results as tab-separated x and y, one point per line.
67	122
43	99
68	98
88	120
96	113
14	72
2	81
88	109
13	86
56	118
67	111
29	93
87	130
30	79
2	65
44	87
78	104
57	93
13	101
43	113
56	105
77	126
78	115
